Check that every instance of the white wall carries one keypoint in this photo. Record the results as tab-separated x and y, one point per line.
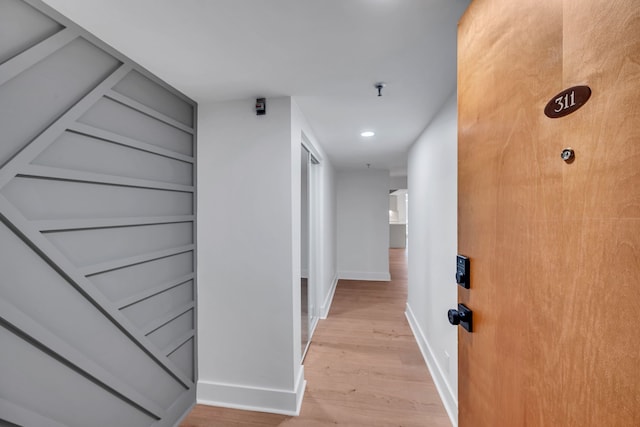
397	182
329	235
363	224
249	254
246	293
402	207
433	214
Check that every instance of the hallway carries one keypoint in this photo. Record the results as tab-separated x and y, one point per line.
363	368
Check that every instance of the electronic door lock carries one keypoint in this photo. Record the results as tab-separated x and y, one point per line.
462	271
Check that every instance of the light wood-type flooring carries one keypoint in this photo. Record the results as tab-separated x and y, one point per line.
363	368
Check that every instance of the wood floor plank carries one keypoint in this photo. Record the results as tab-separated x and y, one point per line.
363	368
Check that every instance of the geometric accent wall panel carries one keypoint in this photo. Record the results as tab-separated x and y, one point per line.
97	232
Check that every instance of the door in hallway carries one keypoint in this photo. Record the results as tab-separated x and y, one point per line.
308	217
554	244
304	249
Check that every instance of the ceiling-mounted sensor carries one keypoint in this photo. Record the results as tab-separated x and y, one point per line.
379	86
261	106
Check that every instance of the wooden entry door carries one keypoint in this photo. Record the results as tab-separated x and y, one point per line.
554	246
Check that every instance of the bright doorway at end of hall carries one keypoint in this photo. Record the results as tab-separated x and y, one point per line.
398	219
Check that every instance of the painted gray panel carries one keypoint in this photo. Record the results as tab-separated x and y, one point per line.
158	305
173	330
31	101
59	306
68	355
112	116
40	199
88	247
138	87
83	153
124	282
26	388
182	357
22	27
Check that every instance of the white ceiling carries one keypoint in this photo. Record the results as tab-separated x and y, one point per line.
326	53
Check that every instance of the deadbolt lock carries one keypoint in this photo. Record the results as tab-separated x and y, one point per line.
462	316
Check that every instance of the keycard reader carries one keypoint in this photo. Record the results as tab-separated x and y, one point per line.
462	271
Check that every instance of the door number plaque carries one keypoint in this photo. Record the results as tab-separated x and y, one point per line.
567	101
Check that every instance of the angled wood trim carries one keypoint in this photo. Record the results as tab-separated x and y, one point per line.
38	171
42	141
178	342
166	318
61	19
131	103
58	261
50	254
148	293
179	410
18	415
36	334
196	242
35	54
134	260
90	224
108	136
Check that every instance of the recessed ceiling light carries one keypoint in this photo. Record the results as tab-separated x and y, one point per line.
367	133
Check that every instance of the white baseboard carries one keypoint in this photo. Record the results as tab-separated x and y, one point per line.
449	399
326	304
364	275
275	401
314	325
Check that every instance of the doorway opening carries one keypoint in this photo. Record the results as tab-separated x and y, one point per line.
398	218
308	241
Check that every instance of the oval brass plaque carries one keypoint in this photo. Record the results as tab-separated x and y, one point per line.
567	101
